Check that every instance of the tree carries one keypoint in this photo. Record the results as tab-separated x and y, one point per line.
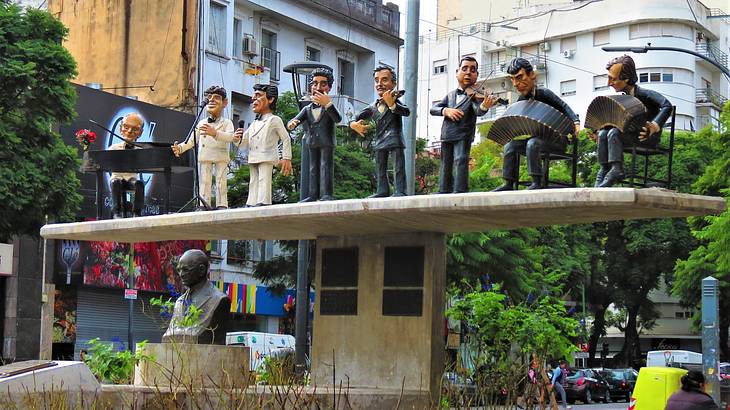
37	170
711	257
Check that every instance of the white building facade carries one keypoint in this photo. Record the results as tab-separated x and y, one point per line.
565	47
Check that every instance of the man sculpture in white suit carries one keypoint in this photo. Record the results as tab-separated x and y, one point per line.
214	136
263	138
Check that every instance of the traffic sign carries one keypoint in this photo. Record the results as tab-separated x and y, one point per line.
130	294
580	355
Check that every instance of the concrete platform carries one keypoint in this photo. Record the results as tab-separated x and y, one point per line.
471	212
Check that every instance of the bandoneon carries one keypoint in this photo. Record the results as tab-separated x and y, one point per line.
531	118
624	112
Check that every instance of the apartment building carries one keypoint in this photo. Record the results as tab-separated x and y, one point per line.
564	43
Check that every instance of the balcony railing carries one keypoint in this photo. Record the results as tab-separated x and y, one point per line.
271	59
500	68
708	95
713	53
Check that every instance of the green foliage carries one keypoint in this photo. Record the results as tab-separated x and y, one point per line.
167	308
37	170
111	366
274	371
507	334
711	257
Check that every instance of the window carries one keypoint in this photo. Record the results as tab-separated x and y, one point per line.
237	38
217	29
567	88
600	82
567	43
339	281
663	29
601	37
666	75
403	281
439	67
312	54
269	56
347	77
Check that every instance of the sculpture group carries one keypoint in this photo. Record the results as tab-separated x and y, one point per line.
538	122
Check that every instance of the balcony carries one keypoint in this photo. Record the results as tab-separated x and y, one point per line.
271	59
499	68
710	96
713	53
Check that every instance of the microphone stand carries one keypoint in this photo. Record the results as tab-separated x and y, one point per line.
196	186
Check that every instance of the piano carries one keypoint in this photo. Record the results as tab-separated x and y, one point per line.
155	157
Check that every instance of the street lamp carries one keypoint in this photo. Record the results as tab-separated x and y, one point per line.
645	49
297	70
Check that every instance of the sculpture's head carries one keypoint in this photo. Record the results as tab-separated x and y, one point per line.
217	99
522	75
385	79
132	126
322	81
621	73
467	72
264	98
193	267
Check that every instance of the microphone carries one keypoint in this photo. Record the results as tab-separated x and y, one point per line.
241	123
203	104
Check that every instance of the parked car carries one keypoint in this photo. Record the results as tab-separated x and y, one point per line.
586	385
621	382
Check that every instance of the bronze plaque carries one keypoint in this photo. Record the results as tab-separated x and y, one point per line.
402	302
403	266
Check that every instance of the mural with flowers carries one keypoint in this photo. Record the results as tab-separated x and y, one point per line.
106	264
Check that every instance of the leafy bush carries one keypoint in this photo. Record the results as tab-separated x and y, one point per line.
110	366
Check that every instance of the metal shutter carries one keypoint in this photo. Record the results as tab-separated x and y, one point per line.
104	313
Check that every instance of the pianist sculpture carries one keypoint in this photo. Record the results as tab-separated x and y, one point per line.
262	139
214	135
131	128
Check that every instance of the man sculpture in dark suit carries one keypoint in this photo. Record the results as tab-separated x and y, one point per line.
388	114
622	78
322	116
524	80
460	113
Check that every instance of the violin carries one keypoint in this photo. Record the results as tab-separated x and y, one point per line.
479	92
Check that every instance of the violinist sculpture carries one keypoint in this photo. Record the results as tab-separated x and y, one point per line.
388	114
460	109
524	80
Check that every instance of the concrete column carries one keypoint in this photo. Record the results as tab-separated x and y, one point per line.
383	341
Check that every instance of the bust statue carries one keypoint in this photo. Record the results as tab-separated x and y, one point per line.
214	304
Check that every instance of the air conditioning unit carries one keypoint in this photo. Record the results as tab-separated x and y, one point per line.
545	46
250	46
568	53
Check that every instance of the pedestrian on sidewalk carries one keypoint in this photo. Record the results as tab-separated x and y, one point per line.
557	383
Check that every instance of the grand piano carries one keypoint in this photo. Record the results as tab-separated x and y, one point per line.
154	157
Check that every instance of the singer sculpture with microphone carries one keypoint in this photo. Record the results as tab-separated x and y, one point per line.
262	139
214	135
388	113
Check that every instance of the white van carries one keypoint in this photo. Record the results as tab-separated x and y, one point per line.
672	358
260	344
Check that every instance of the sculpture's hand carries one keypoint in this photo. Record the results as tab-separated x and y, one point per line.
360	127
176	149
285	165
292	124
389	98
237	136
453	114
207	129
650	129
321	98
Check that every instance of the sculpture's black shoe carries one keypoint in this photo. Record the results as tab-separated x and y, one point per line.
600	176
507	186
379	195
400	194
308	199
534	185
613	176
218	208
326	198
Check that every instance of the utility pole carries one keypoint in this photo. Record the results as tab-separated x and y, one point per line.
411	85
711	337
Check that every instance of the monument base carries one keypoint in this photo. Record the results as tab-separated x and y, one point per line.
193	365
